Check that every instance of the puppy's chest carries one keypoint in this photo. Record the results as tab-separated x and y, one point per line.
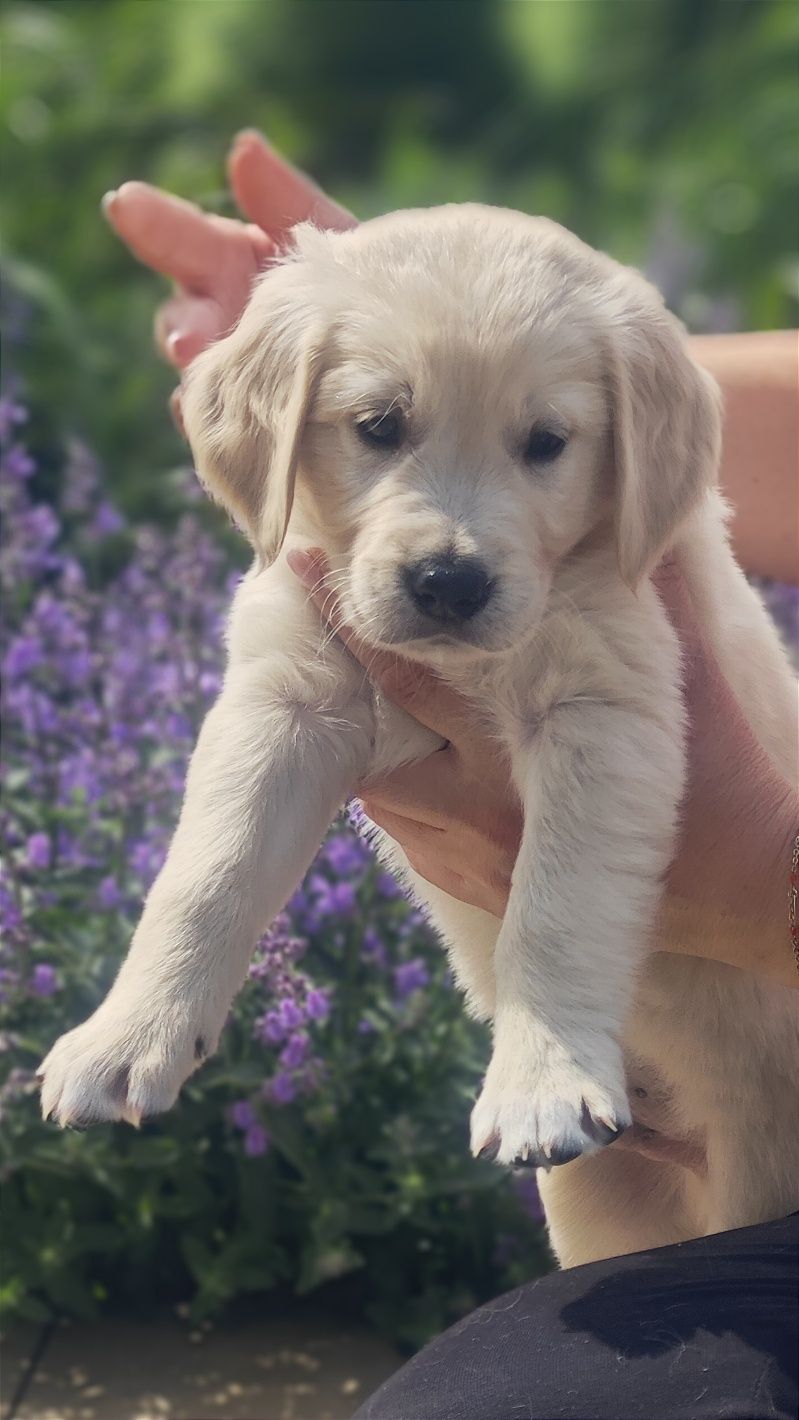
567	661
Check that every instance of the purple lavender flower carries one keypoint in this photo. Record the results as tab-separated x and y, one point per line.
18	463
346	855
107	519
11	414
23	655
333	899
782	602
242	1114
270	1028
109	895
11	919
290	1014
295	1052
256	1141
282	1088
44	981
409	977
210	683
39	851
317	1004
388	887
373	949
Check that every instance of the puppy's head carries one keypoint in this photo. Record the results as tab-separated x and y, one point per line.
452	401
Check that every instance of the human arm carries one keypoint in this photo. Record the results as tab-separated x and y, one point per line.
759	377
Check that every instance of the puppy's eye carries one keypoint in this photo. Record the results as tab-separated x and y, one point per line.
383	432
543	446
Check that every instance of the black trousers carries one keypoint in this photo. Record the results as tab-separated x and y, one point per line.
705	1330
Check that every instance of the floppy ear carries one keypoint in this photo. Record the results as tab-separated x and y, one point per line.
666	434
244	408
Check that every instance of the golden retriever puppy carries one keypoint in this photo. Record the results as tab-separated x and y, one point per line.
495	433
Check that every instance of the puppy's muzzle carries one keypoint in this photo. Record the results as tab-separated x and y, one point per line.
448	589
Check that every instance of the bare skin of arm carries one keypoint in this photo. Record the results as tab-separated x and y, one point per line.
727	892
759	377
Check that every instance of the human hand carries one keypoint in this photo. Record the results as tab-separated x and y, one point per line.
459	821
214	260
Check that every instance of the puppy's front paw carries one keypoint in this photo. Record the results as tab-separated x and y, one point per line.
116	1066
545	1109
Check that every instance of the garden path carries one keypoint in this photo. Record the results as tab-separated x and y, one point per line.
301	1365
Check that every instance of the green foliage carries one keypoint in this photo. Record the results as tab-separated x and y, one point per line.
653	127
370	1176
663	130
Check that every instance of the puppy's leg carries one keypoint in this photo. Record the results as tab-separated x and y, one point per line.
266	778
600	785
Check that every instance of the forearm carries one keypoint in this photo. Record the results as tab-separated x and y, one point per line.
741	916
759	378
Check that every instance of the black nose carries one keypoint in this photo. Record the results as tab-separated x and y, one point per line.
448	588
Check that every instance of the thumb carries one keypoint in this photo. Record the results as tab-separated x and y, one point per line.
414	688
276	195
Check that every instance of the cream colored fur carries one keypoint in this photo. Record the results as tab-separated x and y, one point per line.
476	325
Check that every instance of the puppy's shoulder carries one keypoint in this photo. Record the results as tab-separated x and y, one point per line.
272	619
599	642
591	597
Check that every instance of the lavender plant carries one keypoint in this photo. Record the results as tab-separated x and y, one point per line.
329	1135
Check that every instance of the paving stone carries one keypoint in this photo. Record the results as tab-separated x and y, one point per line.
18	1346
301	1366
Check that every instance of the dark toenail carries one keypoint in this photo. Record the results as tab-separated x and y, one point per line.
597	1130
490	1150
564	1155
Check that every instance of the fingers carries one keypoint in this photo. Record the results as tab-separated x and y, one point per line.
276	195
415	689
185	325
178	239
425	792
165	232
196	248
674	594
426	851
415	836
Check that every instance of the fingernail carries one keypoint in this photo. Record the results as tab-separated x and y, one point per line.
246	135
305	564
107	201
172	342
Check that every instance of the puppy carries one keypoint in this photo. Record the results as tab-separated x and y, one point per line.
495	433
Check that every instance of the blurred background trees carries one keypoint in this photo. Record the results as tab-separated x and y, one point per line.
662	130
